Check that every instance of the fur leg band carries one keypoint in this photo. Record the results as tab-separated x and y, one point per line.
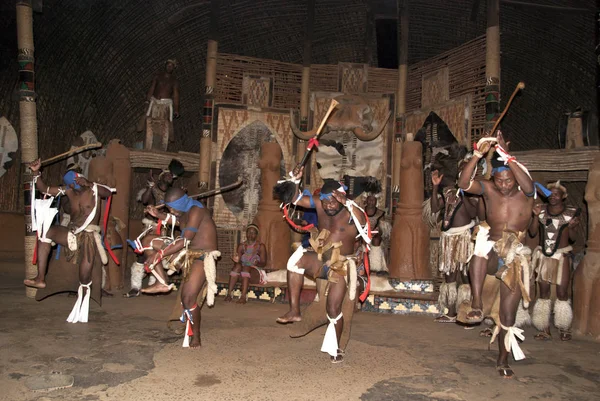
541	314
563	315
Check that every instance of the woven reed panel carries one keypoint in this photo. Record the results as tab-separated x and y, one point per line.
231	122
231	69
434	88
353	78
227	242
323	77
382	80
257	91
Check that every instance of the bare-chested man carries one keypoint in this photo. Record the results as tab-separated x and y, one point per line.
80	240
163	100
251	255
332	258
509	201
458	214
552	261
194	252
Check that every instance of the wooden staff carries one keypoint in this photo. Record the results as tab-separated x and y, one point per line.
72	152
313	141
212	191
520	86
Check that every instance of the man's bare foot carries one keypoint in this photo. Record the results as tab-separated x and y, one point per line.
228	298
505	371
445	319
35	283
195	342
106	293
289	317
565	335
488	332
157	288
241	301
475	316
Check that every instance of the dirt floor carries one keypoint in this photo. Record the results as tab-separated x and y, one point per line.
126	353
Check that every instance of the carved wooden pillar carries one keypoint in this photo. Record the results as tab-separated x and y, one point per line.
586	282
399	133
492	64
28	125
204	171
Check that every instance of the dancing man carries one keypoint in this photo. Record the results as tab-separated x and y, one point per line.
456	247
194	253
381	231
81	240
552	262
498	250
331	257
250	256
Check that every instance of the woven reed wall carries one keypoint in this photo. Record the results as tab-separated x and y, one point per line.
95	60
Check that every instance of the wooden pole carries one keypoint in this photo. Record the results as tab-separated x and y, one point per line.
27	126
209	99
400	133
492	65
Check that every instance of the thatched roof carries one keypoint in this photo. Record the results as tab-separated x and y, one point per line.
95	59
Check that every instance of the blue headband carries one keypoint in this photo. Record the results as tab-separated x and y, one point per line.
499	169
328	196
69	178
184	204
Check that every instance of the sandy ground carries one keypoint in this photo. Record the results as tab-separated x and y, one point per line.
126	353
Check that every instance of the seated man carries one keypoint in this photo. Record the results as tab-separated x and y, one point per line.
194	253
81	240
250	255
332	257
498	249
552	262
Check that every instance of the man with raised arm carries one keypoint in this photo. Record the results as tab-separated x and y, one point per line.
81	240
498	250
194	252
332	257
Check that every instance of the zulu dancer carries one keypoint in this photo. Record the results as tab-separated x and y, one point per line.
456	247
381	231
194	253
509	201
153	194
81	240
552	262
331	257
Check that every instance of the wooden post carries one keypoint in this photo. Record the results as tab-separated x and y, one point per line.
27	126
400	99
305	88
209	99
492	64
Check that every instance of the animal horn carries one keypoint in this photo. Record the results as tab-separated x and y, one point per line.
305	136
371	135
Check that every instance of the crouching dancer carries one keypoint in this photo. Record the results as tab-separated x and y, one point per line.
81	240
194	253
331	257
498	250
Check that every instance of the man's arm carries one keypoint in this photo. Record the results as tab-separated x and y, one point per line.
534	226
464	181
103	192
193	222
341	197
159	214
40	185
151	90
470	205
302	201
176	98
521	176
436	179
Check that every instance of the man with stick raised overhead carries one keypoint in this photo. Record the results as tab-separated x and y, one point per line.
81	240
498	249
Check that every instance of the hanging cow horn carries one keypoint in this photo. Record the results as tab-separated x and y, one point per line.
371	135
305	136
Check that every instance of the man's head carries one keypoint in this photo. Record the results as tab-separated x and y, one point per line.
330	205
172	196
503	177
165	180
69	179
371	201
558	195
251	232
170	65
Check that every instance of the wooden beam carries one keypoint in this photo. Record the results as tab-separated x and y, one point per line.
161	160
558	160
